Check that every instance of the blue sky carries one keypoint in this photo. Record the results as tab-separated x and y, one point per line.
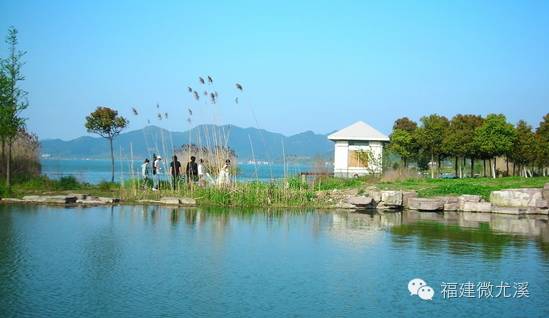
304	65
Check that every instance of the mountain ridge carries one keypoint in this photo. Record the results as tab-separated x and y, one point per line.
150	139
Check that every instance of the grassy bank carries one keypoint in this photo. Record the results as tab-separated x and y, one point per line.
481	186
290	193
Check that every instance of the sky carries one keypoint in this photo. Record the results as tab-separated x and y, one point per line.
304	65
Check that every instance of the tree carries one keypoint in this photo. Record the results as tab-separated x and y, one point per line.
459	141
430	137
405	124
542	144
495	138
13	100
524	149
403	144
106	123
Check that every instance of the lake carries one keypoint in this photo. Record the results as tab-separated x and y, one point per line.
95	171
129	261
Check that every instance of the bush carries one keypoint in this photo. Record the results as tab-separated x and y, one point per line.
67	183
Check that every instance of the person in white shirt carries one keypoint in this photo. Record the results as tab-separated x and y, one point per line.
145	171
156	172
224	177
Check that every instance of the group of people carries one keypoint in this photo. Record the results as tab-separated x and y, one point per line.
195	172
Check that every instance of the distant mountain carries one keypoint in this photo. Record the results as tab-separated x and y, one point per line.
152	139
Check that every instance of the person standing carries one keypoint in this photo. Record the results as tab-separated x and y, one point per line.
191	170
224	177
201	172
156	172
145	171
175	171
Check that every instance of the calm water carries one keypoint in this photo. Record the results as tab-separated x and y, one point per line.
151	261
95	171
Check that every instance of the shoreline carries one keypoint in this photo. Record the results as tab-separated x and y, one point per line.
519	201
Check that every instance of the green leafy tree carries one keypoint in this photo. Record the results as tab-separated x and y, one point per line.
459	140
405	124
106	123
13	100
430	137
403	144
542	144
495	138
524	149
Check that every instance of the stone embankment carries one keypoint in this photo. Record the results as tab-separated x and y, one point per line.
89	200
510	201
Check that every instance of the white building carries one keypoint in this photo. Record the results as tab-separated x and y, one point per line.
358	150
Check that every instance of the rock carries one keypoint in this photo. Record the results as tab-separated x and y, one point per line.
344	205
170	200
545	191
178	201
187	201
542	204
391	198
508	210
12	200
535	210
477	207
521	198
426	204
453	206
33	198
375	195
108	200
50	199
89	201
79	196
406	195
360	201
467	198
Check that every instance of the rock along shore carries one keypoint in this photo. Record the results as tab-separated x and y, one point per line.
89	200
509	201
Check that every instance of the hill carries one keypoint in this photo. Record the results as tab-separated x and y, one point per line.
152	139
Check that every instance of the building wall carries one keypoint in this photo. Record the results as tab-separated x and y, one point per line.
341	158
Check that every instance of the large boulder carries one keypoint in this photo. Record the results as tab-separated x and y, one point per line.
375	195
520	198
477	207
406	195
508	210
545	192
467	198
391	198
178	201
50	199
359	201
426	204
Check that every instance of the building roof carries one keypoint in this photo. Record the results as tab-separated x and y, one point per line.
359	131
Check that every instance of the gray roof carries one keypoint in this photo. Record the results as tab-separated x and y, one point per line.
359	131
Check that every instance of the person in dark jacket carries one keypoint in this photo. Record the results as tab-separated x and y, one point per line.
191	171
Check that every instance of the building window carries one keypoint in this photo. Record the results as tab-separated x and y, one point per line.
358	143
357	159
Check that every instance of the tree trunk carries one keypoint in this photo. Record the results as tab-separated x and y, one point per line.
514	169
463	168
484	171
507	166
3	154
8	166
494	168
472	167
432	165
112	160
456	167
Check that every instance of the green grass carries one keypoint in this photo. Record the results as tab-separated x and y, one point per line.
480	186
293	193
